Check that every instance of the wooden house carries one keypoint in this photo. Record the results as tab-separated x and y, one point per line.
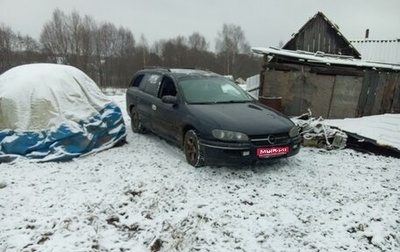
320	70
319	34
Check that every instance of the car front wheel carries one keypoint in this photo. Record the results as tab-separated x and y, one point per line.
192	149
136	124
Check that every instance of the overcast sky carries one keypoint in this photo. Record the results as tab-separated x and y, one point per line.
265	22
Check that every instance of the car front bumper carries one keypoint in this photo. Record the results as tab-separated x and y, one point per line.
223	153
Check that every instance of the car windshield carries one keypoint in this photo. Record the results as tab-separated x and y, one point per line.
212	90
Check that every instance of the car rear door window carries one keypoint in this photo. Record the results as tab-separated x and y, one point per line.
167	88
136	80
151	83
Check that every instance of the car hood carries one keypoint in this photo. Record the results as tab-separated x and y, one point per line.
249	118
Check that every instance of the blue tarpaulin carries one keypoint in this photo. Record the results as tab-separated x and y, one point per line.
56	120
65	142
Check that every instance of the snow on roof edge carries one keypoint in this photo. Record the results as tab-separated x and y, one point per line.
323	58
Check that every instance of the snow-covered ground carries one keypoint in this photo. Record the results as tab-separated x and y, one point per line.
143	196
383	128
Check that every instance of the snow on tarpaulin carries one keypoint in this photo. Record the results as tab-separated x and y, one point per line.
55	112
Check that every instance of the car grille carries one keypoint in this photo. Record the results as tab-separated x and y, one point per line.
273	139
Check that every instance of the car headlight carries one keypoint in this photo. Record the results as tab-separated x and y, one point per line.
226	135
294	132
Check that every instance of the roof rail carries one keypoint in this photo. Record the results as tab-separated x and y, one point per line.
157	67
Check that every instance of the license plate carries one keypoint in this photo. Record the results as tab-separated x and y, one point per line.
272	151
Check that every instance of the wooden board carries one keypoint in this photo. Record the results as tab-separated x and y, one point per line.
345	96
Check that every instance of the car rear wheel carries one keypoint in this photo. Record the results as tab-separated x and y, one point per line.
191	146
136	124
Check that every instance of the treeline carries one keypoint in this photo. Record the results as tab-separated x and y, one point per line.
110	55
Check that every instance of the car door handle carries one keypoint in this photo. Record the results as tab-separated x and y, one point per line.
153	107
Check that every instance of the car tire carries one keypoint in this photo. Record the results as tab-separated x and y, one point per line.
191	147
136	124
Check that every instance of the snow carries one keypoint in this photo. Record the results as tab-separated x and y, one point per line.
64	92
322	58
383	128
143	196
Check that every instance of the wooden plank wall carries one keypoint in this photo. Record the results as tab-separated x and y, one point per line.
380	93
388	93
395	108
319	35
318	92
346	91
333	96
300	91
289	86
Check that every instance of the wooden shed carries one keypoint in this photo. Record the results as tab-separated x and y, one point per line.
319	69
319	34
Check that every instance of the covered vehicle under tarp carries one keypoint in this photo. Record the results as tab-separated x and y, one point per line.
55	112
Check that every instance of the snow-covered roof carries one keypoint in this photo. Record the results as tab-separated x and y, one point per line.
323	58
378	50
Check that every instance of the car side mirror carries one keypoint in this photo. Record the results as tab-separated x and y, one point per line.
169	99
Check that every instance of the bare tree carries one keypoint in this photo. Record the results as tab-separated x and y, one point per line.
174	52
125	56
55	37
106	37
80	40
198	54
87	44
157	47
16	49
230	44
110	55
7	36
115	52
29	50
197	42
69	39
155	53
125	43
29	44
73	28
142	52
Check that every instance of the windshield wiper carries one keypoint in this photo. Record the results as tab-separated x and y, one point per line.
219	102
233	101
201	103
